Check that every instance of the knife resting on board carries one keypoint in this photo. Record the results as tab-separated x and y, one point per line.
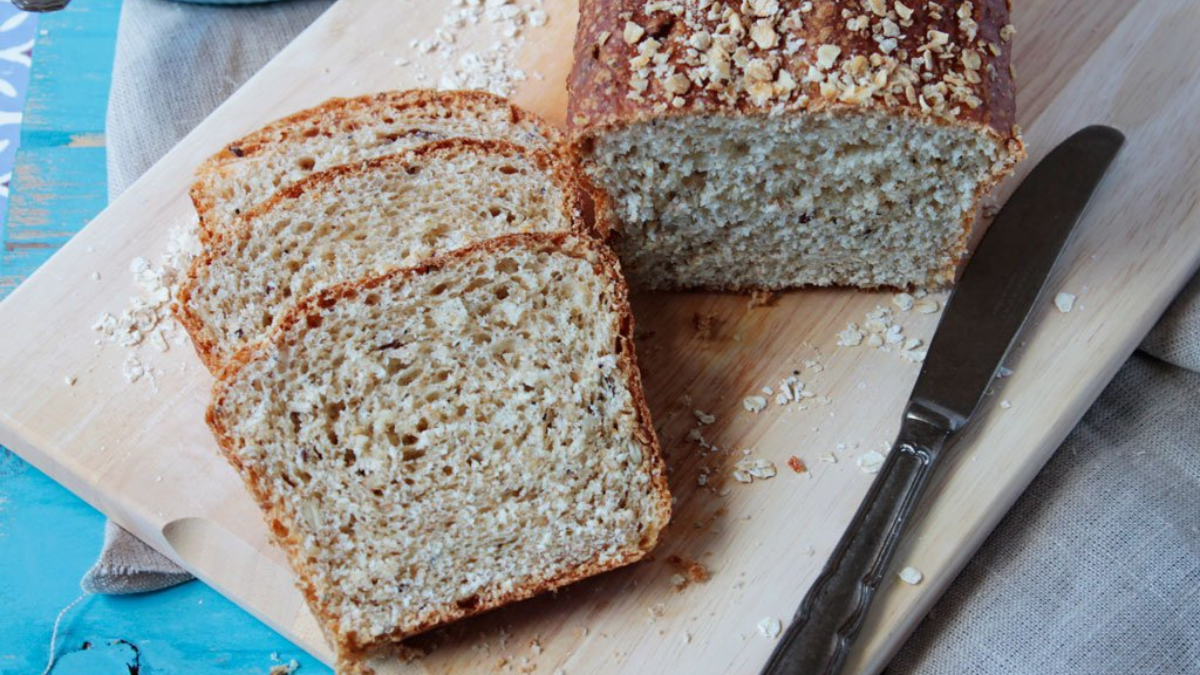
983	317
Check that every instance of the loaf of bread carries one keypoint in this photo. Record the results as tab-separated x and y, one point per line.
343	131
784	143
437	441
364	219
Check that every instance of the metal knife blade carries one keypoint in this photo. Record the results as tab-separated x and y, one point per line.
1007	272
981	321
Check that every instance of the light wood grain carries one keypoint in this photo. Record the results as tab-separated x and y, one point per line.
143	455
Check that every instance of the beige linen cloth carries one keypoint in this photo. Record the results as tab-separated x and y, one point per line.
1096	570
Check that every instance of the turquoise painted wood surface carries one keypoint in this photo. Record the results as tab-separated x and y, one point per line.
48	538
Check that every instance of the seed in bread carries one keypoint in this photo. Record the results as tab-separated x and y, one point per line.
441	440
365	219
777	143
246	172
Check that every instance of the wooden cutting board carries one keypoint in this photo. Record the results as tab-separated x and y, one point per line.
141	453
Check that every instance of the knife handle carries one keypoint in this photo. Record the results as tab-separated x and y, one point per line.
823	630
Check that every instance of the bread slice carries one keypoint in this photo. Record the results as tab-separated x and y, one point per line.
364	219
793	144
343	131
441	440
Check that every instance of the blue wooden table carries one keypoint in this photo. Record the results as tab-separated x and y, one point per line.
49	538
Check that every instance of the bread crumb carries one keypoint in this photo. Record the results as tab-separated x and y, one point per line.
705	325
904	301
796	464
829	457
70	380
687	572
910	575
871	461
95	276
1006	404
703	417
1065	302
770	628
763	298
1003	372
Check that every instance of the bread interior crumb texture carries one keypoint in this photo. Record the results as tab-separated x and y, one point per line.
738	202
366	221
442	440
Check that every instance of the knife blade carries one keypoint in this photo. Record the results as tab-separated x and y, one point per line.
985	313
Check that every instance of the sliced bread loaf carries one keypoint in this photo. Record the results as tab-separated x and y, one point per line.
342	131
780	144
364	219
441	440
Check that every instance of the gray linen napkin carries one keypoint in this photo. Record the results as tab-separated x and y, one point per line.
1095	570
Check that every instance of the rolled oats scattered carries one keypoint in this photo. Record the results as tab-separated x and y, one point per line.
746	470
851	336
770	628
926	306
871	461
754	404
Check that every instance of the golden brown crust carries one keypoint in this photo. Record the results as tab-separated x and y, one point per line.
771	60
340	115
205	340
605	263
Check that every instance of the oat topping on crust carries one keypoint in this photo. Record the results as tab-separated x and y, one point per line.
780	54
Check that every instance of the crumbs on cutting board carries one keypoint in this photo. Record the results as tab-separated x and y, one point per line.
687	572
1065	302
797	465
459	65
763	298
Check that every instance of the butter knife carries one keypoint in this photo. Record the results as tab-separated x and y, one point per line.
982	319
